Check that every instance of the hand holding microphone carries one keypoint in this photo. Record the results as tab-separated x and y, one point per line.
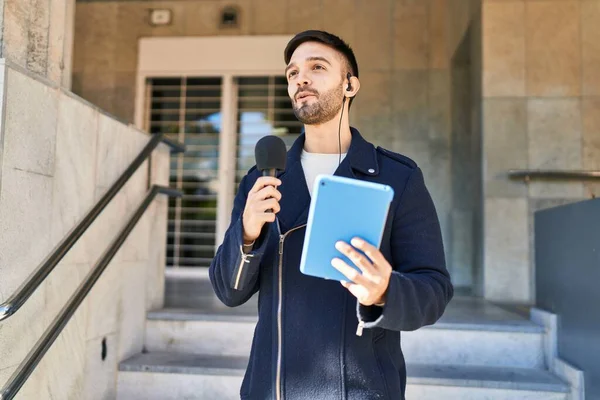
263	199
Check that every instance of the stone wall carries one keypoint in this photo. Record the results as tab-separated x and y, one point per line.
58	156
404	48
38	36
464	36
468	88
541	108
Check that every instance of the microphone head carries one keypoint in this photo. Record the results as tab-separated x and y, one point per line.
270	153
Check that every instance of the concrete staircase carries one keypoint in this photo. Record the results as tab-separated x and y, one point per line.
476	351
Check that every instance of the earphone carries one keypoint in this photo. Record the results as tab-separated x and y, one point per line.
349	88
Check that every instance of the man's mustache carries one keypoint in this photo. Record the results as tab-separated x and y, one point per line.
305	90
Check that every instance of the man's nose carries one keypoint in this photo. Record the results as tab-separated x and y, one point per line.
303	80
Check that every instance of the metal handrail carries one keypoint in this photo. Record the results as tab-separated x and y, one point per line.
175	146
28	365
529	174
20	296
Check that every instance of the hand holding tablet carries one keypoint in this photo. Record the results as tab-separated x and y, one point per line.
343	209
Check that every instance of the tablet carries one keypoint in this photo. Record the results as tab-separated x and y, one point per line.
340	209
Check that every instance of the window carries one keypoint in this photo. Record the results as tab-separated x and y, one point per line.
195	111
263	108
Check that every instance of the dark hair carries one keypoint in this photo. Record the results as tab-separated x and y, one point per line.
328	39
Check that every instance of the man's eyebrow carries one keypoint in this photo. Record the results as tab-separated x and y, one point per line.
289	67
316	58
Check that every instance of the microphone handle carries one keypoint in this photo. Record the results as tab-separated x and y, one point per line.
269	172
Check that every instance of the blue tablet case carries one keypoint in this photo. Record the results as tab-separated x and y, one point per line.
340	209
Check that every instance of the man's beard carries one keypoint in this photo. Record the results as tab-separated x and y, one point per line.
323	110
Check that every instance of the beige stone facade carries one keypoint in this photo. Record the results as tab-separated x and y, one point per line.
469	89
541	66
38	35
404	49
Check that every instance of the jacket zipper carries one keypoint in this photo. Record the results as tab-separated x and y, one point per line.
241	267
279	309
359	329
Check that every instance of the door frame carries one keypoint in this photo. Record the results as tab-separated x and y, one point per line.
230	57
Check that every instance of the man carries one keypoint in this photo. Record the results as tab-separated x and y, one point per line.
316	338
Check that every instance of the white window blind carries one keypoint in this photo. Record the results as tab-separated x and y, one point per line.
263	108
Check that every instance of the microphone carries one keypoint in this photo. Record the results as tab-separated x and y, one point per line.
271	154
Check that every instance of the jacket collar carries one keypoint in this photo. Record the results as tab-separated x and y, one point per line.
295	199
361	155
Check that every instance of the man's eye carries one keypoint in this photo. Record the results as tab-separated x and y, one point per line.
291	74
318	66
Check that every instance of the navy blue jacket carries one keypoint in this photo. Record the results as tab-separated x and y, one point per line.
305	343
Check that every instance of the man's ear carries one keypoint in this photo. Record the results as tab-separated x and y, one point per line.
355	87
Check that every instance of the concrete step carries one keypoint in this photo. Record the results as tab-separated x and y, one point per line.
427	382
170	376
494	342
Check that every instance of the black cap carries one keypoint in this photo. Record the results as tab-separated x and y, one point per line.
270	153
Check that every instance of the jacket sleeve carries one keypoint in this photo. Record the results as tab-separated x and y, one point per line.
234	274
420	285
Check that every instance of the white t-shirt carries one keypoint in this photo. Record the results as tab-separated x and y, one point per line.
314	164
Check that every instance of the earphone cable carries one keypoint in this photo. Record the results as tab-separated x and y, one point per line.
340	134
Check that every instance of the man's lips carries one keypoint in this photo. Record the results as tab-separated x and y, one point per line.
304	95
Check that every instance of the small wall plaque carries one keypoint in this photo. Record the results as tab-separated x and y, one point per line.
160	17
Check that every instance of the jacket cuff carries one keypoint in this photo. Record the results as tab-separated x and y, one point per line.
381	317
247	264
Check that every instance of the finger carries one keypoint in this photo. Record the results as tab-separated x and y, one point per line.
264	181
268	192
357	258
269	204
358	291
268	217
371	251
349	272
